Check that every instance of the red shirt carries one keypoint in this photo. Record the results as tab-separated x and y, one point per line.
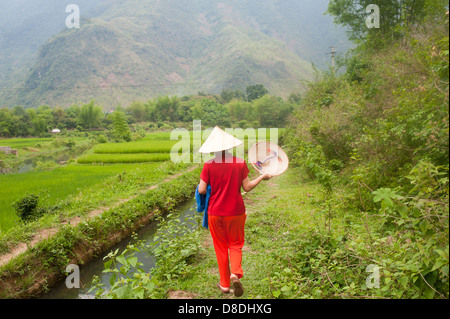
225	179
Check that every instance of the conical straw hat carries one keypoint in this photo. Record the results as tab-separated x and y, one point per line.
268	158
219	140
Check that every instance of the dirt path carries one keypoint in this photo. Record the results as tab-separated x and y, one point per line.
44	234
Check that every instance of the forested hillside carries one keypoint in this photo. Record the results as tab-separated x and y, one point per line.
137	50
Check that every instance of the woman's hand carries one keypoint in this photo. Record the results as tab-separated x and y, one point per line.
266	177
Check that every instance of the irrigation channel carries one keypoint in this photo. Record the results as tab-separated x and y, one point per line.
96	266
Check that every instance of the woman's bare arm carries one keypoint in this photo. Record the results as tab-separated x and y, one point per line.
202	187
248	185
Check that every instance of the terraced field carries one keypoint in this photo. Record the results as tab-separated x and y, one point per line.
153	148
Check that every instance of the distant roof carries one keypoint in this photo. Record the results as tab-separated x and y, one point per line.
56	131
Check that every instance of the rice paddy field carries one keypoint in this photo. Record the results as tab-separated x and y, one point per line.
17	143
102	174
52	186
153	148
91	178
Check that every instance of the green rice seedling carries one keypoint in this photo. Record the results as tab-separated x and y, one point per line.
123	158
157	136
147	146
18	143
52	186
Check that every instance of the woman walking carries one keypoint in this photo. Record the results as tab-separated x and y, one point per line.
226	175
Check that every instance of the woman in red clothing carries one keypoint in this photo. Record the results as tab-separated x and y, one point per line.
226	210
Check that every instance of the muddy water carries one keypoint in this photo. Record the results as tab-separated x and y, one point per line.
96	266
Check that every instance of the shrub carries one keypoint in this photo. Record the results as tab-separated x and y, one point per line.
102	139
27	207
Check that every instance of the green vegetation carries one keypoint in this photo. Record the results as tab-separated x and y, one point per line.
90	115
18	143
363	212
153	148
63	185
175	246
27	207
376	138
130	124
120	128
73	244
141	146
396	18
164	113
123	158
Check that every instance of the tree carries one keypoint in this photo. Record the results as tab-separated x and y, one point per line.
137	111
59	116
255	92
166	108
39	126
229	94
184	111
5	122
240	111
120	128
196	111
272	111
215	113
90	116
18	110
395	16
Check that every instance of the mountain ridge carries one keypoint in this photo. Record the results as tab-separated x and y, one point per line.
134	50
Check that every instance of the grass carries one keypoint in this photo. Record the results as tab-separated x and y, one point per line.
30	273
143	146
301	243
123	158
23	144
17	143
52	186
154	147
74	190
278	212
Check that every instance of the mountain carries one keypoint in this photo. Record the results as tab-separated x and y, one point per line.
136	50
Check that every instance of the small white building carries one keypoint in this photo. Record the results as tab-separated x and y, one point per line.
56	131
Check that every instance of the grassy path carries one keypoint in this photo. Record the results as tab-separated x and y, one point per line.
304	244
278	211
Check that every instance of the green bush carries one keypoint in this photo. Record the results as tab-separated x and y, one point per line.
27	207
102	139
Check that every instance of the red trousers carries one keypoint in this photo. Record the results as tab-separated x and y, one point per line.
228	239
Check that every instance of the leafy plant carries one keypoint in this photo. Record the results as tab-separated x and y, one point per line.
128	279
381	145
27	207
173	246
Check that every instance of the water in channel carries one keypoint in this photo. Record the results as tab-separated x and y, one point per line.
96	266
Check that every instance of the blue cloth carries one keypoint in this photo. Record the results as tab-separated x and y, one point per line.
202	204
